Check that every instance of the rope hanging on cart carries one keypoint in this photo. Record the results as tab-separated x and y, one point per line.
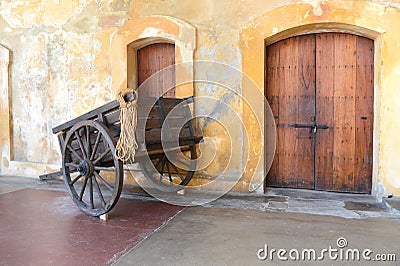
127	145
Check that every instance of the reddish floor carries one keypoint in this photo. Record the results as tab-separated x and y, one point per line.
41	227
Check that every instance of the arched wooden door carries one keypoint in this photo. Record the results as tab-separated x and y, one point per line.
151	59
320	88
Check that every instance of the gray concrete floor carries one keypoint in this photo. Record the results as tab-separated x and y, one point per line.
231	230
213	236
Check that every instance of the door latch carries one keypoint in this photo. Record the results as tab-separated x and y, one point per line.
313	127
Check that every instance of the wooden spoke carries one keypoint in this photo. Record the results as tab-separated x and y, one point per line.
162	168
169	171
78	138
74	152
103	181
91	192
96	185
75	179
96	144
83	188
101	156
163	164
88	141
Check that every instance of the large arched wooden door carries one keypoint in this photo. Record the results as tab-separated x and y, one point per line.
320	88
151	59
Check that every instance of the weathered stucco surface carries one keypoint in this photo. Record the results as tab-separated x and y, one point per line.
69	56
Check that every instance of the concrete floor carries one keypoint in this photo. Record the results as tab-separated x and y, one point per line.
233	229
211	236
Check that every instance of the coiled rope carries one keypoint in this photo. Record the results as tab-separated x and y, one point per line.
127	145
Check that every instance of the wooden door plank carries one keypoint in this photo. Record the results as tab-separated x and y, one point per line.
272	94
284	115
287	162
344	92
279	106
325	64
288	113
168	60
364	117
305	102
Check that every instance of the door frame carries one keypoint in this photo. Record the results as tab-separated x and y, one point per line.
376	37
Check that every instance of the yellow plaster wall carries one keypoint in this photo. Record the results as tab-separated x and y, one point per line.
66	59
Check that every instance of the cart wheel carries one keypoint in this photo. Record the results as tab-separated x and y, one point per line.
170	174
92	174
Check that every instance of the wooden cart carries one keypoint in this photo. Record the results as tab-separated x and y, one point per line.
92	173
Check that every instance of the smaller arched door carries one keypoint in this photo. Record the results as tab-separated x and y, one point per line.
321	91
151	59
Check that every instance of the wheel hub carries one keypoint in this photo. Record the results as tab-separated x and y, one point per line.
85	168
